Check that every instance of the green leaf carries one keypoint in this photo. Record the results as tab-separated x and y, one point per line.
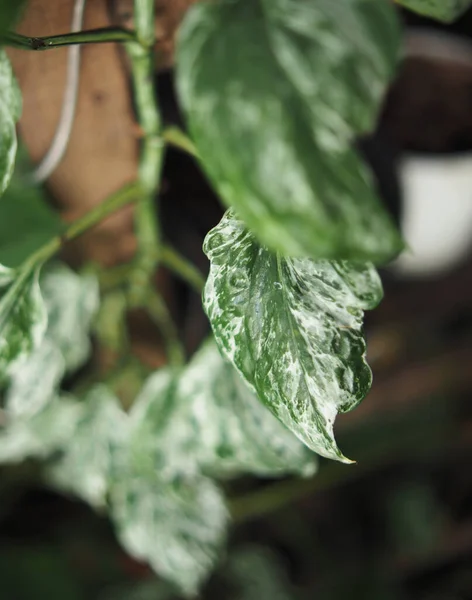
178	526
293	328
443	10
26	220
10	111
275	92
42	434
10	10
86	467
23	316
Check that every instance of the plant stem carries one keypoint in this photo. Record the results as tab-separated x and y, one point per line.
179	139
160	314
93	36
150	165
126	195
182	267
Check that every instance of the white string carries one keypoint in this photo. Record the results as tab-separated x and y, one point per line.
58	147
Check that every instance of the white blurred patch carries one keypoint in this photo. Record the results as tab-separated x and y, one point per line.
437	213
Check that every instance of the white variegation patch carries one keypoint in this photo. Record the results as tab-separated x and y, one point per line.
10	111
178	526
293	328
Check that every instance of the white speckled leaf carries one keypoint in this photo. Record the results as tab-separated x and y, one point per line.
293	328
232	432
86	466
206	418
23	316
443	10
178	526
35	381
275	91
42	434
72	302
10	111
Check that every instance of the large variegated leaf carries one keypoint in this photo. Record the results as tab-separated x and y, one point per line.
178	526
10	110
23	316
89	458
41	434
275	91
443	10
293	328
207	418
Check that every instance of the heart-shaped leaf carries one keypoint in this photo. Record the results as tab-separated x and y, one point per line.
293	328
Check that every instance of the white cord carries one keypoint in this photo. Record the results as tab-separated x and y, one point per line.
61	138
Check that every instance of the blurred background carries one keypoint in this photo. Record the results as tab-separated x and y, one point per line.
398	524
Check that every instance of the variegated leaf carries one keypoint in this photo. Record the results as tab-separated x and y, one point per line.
23	316
275	92
87	464
293	328
10	110
178	526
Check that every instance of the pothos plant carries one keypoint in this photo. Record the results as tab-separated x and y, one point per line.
275	93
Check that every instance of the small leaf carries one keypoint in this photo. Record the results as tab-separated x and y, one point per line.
443	10
42	434
86	467
10	110
72	302
275	92
23	316
34	381
178	526
293	328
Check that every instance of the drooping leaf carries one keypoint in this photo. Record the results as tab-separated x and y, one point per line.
178	526
275	91
26	220
42	434
10	111
87	463
443	10
72	302
23	316
293	328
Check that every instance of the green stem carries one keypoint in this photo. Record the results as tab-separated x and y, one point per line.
152	153
177	138
183	268
160	314
93	36
124	196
